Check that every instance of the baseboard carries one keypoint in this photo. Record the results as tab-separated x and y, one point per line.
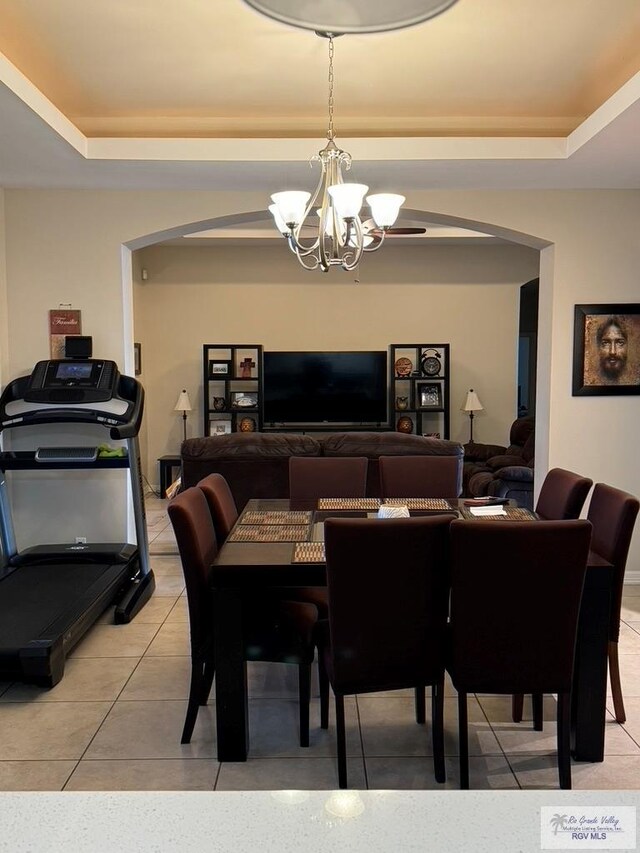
632	578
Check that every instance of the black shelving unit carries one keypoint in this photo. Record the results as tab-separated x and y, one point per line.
232	388
419	389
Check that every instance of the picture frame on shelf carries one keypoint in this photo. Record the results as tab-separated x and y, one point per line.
244	400
219	367
222	426
606	349
247	363
429	395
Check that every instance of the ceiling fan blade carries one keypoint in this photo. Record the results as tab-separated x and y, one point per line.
406	230
370	227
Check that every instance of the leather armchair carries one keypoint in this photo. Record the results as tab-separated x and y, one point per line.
491	469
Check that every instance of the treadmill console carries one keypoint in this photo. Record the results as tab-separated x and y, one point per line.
65	381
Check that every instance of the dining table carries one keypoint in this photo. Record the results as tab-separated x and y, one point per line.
279	543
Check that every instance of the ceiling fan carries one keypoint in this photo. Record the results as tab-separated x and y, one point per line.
370	228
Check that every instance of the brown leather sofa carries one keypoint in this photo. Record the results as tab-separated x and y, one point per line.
256	465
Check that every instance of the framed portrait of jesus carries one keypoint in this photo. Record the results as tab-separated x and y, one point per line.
606	349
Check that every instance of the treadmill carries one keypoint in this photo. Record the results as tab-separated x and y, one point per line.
50	595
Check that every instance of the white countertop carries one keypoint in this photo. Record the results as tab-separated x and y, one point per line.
283	821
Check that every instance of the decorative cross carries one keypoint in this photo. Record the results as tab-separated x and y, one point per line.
245	367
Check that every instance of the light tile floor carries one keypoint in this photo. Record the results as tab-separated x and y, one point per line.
115	719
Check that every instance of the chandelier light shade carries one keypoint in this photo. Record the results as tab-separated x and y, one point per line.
472	404
351	16
338	237
183	405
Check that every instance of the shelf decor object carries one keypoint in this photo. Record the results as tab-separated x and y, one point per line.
430	395
183	405
472	404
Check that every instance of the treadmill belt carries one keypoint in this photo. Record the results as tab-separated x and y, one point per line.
33	597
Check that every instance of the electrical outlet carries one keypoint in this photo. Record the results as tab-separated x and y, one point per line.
81	540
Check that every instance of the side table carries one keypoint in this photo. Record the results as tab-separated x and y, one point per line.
167	464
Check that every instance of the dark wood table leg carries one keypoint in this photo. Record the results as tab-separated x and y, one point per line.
589	696
232	713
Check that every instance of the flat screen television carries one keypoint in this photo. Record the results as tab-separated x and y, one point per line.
325	388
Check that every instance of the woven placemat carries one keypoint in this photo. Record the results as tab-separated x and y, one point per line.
513	513
269	533
272	516
348	503
419	503
308	552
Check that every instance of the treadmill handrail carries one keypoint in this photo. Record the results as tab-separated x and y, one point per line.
128	389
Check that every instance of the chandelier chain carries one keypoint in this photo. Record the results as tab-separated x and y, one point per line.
330	132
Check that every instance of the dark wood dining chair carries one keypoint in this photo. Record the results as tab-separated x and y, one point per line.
420	476
222	505
561	497
388	588
313	477
224	514
496	645
280	631
613	513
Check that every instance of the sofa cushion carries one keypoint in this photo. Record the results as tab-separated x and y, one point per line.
375	444
250	445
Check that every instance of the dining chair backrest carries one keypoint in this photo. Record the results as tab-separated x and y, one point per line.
421	476
497	644
222	505
562	495
387	582
312	477
613	513
198	547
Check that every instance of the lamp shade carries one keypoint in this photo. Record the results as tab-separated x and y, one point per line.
347	198
291	205
472	403
183	404
385	208
281	225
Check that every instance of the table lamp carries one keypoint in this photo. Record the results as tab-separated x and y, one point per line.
183	405
472	404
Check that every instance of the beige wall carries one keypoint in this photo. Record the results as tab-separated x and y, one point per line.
4	343
467	296
65	246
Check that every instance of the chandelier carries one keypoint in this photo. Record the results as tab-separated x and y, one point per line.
340	237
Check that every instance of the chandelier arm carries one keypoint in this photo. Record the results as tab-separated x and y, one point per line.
299	251
377	243
353	238
295	235
301	255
